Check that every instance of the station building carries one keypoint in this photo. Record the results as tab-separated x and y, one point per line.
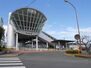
25	30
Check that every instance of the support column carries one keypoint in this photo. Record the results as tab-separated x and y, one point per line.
47	45
55	45
17	46
66	45
36	42
32	43
59	45
10	33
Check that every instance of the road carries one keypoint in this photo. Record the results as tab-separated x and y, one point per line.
53	60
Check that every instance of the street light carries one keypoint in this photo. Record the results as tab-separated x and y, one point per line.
78	29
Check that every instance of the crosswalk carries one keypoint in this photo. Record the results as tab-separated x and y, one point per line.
11	62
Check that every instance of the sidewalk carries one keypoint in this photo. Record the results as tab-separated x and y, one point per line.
10	53
17	53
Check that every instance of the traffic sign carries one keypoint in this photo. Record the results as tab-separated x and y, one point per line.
77	36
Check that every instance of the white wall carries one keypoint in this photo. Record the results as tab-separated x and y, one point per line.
10	34
10	37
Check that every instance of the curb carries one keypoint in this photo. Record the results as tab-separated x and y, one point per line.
76	55
82	56
19	54
8	55
69	54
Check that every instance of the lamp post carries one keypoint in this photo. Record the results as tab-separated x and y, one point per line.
78	29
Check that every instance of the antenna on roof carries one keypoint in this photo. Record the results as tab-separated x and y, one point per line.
33	1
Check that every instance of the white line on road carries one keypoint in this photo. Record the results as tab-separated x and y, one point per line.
12	64
10	61
14	67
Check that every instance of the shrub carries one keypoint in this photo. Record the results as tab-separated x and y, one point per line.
1	33
73	51
2	47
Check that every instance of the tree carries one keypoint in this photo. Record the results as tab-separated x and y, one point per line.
87	42
1	33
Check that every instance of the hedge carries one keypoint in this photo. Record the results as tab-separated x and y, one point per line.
73	51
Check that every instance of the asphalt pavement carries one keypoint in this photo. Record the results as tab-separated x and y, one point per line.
53	60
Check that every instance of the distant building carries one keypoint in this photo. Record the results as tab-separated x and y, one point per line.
1	22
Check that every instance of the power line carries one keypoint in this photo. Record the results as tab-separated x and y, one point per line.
33	1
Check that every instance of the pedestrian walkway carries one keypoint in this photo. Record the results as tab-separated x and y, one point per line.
11	62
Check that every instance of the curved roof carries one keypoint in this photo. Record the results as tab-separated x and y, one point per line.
27	20
28	8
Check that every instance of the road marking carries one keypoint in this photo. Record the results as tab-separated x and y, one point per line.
11	62
14	67
9	59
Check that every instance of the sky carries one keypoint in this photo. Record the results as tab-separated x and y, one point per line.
61	21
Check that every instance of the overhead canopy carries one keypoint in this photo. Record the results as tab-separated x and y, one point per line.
62	41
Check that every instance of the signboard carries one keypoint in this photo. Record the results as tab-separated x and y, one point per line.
77	36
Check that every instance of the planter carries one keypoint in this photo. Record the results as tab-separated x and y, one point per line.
73	51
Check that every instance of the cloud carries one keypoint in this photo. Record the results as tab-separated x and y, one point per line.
88	30
68	32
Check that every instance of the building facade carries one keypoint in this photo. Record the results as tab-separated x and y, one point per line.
25	31
23	25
